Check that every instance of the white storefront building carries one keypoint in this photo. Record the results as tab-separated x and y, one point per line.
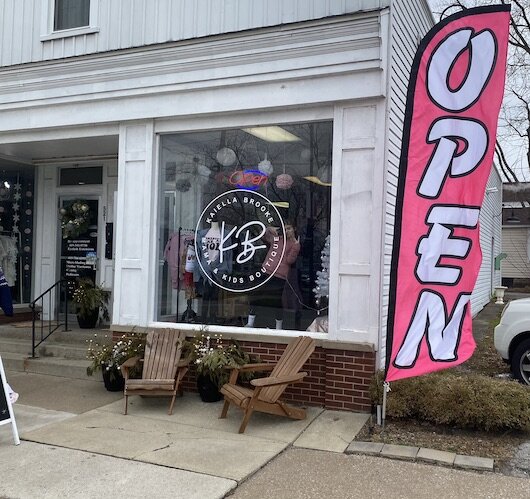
149	110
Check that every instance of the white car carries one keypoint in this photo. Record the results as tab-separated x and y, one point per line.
512	338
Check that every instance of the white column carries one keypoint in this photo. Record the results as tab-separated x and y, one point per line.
134	230
45	233
355	287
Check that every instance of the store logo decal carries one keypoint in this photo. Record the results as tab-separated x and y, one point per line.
231	240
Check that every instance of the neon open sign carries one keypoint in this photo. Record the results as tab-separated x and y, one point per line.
250	180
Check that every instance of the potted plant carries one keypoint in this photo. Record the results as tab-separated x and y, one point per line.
212	358
90	299
109	357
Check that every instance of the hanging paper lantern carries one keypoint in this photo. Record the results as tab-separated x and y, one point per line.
265	166
284	181
226	156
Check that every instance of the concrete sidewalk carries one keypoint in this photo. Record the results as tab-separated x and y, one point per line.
189	454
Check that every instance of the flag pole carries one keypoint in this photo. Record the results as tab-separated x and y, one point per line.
386	389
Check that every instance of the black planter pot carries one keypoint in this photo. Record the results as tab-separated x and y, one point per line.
112	379
208	390
88	321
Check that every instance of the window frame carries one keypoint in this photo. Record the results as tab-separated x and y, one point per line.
48	20
238	120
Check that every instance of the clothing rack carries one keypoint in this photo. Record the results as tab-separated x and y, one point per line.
18	237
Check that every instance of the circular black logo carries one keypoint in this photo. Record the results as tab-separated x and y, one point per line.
239	240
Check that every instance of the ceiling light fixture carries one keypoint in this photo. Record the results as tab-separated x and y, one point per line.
272	134
317	181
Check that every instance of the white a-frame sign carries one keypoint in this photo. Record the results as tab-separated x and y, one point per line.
6	409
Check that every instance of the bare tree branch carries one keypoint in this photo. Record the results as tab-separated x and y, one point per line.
503	163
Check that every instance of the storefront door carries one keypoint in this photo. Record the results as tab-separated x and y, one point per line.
79	233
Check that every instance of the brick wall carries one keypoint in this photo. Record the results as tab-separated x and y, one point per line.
337	379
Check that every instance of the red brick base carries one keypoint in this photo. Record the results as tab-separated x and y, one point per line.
337	379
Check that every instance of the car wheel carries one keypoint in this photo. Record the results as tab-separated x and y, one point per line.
521	362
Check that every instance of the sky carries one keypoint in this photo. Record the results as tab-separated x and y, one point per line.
513	149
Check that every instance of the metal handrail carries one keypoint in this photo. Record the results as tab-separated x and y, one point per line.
33	305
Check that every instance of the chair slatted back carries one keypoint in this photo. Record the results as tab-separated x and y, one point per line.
163	348
293	358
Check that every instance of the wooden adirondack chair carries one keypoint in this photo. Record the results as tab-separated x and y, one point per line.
163	369
267	391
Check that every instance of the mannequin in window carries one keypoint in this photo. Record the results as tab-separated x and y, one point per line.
209	255
272	291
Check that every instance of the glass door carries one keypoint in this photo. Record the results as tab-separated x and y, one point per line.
79	240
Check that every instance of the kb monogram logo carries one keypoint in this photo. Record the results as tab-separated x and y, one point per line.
239	240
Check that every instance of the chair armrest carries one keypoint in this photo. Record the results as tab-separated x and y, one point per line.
184	363
234	371
129	363
280	380
253	367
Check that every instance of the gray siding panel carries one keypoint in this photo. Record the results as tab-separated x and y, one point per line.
490	244
515	245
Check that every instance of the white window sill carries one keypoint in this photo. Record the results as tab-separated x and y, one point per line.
66	33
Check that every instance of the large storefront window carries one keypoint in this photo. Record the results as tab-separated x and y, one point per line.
244	225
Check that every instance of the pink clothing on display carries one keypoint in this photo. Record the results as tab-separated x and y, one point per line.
292	248
175	253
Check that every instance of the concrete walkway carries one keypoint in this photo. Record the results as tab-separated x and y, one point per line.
138	455
193	454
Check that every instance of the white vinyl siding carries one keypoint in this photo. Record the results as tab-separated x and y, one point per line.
515	245
25	24
490	244
410	21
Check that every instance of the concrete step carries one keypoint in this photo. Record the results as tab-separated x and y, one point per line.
67	368
13	361
75	336
66	351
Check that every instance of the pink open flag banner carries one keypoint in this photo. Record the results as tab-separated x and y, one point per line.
453	102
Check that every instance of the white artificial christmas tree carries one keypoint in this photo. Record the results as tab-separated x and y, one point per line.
321	288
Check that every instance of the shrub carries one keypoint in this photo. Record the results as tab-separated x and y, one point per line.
463	400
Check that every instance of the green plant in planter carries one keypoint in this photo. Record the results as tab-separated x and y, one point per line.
212	357
90	297
109	357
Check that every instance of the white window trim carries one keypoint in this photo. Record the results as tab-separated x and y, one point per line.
47	21
224	121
